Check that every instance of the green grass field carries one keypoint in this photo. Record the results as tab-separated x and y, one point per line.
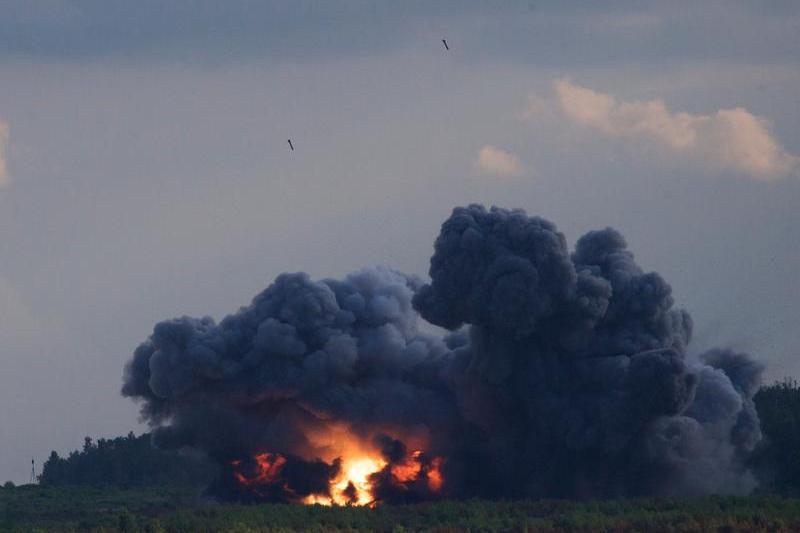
33	508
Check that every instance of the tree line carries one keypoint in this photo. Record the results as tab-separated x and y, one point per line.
132	461
128	461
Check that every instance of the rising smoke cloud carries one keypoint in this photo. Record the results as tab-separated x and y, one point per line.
563	375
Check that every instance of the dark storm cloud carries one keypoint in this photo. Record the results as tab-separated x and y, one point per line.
535	32
203	30
565	375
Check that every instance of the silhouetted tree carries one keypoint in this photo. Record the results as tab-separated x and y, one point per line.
777	460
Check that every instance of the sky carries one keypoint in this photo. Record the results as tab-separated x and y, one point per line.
145	171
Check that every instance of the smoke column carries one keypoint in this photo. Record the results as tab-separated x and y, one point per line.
562	375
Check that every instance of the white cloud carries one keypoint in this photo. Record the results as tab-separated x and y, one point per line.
730	139
497	162
3	144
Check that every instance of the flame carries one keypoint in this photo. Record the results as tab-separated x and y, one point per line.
353	486
435	479
268	469
411	470
408	470
355	474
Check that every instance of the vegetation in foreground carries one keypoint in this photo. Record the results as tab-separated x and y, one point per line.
37	508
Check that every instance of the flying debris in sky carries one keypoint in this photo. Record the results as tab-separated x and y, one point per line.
444	41
290	144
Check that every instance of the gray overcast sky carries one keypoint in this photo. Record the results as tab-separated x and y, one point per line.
144	170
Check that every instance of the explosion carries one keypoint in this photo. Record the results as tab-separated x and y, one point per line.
359	475
563	374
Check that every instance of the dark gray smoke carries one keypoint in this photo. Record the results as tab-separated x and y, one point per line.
564	375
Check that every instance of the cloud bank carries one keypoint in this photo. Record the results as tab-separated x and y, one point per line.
495	161
729	139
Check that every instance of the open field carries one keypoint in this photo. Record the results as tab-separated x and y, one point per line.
33	508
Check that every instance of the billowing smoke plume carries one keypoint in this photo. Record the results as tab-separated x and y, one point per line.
564	375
